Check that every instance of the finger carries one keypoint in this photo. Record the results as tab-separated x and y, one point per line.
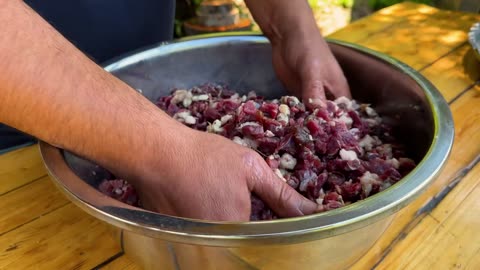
282	199
318	81
230	204
283	73
313	87
337	83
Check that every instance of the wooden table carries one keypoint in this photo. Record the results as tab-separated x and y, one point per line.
39	228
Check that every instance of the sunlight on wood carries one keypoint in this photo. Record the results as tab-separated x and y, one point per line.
474	263
16	210
418	17
453	73
420	43
454	37
64	239
42	230
450	240
380	22
20	167
426	9
466	147
122	263
405	8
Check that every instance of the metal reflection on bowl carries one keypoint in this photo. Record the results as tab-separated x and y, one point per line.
330	240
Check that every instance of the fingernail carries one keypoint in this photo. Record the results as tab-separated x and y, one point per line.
308	207
316	102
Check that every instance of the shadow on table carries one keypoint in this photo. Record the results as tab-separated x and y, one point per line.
471	65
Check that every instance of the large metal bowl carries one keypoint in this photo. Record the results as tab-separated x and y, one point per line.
331	240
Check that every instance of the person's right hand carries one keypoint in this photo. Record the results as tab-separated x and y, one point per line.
306	66
210	177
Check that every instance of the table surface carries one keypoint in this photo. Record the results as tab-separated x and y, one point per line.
40	228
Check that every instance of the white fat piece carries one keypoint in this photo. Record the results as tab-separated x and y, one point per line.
344	100
248	124
182	96
348	155
288	162
203	97
347	120
370	112
225	118
394	162
284	114
215	127
288	99
247	142
367	180
185	117
269	134
367	142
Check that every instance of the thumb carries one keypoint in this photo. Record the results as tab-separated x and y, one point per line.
282	199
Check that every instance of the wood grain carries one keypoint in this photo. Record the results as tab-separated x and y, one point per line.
466	113
474	263
404	32
64	239
421	42
29	203
20	167
455	72
451	240
121	263
442	238
383	21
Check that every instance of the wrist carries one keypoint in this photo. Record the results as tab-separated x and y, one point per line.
162	151
284	19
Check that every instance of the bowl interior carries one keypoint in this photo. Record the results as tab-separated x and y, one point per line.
246	64
419	114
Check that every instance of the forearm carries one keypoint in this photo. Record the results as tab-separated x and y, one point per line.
51	90
281	18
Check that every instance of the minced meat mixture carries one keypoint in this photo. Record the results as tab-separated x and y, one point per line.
333	156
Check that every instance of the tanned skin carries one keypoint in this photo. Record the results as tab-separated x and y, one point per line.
51	90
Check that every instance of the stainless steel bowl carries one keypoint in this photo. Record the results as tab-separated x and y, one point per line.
474	39
331	240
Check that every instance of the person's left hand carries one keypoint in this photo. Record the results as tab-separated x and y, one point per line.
307	67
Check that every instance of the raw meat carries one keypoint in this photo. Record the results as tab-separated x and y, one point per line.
333	156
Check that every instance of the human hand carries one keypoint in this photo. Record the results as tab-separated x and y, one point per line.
210	177
307	67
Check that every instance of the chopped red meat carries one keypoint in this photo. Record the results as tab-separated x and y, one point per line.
121	190
333	156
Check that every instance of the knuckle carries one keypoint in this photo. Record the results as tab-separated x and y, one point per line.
254	167
286	195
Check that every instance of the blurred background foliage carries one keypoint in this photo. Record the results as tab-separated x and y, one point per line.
332	15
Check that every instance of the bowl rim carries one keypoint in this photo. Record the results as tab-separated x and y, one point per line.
474	38
281	231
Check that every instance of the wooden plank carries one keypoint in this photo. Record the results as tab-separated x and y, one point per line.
412	44
474	263
466	113
28	203
20	167
422	231
382	20
448	243
462	188
64	239
421	42
121	263
455	72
